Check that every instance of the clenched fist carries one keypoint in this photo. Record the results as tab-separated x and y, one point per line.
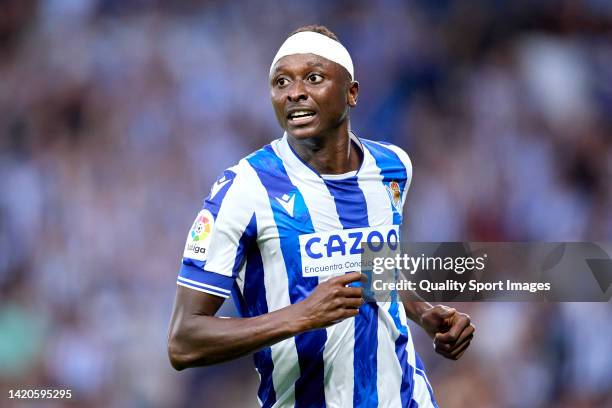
331	302
450	330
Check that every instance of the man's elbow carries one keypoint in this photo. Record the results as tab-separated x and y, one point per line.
183	356
179	359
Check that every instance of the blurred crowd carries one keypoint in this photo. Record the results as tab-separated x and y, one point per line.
117	116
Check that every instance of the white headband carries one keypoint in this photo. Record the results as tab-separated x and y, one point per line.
309	42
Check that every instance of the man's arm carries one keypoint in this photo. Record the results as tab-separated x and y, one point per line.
196	337
451	331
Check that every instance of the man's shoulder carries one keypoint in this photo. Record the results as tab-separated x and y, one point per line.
265	160
387	152
240	175
244	166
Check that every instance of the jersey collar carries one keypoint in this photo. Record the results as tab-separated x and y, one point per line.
291	159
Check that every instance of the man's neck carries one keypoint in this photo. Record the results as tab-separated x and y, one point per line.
330	154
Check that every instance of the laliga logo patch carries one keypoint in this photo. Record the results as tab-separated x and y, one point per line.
197	241
201	226
395	195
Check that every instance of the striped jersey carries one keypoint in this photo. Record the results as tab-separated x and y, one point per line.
269	232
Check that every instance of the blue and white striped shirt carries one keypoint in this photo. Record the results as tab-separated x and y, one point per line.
246	243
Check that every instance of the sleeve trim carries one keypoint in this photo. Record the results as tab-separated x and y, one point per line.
193	274
203	285
199	289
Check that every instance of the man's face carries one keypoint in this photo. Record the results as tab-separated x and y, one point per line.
310	94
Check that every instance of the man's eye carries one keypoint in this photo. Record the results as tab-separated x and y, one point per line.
315	78
281	82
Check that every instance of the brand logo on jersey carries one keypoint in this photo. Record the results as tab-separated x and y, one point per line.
199	236
287	201
218	186
338	252
395	195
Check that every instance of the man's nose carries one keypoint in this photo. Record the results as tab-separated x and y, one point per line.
297	92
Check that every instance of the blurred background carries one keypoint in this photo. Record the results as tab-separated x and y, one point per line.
116	116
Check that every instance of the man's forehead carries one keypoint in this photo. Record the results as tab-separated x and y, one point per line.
297	61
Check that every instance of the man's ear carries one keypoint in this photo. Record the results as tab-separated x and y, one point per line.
353	91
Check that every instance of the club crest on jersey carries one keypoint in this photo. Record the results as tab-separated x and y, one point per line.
395	195
197	241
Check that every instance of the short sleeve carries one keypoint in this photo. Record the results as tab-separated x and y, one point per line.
218	237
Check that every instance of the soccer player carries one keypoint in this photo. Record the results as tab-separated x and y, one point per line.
315	341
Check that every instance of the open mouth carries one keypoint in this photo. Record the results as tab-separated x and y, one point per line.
302	116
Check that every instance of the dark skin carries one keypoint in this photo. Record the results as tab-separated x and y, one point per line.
325	91
313	83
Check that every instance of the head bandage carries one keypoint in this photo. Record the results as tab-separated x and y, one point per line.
309	42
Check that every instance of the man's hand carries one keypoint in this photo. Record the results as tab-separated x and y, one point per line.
331	302
450	330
